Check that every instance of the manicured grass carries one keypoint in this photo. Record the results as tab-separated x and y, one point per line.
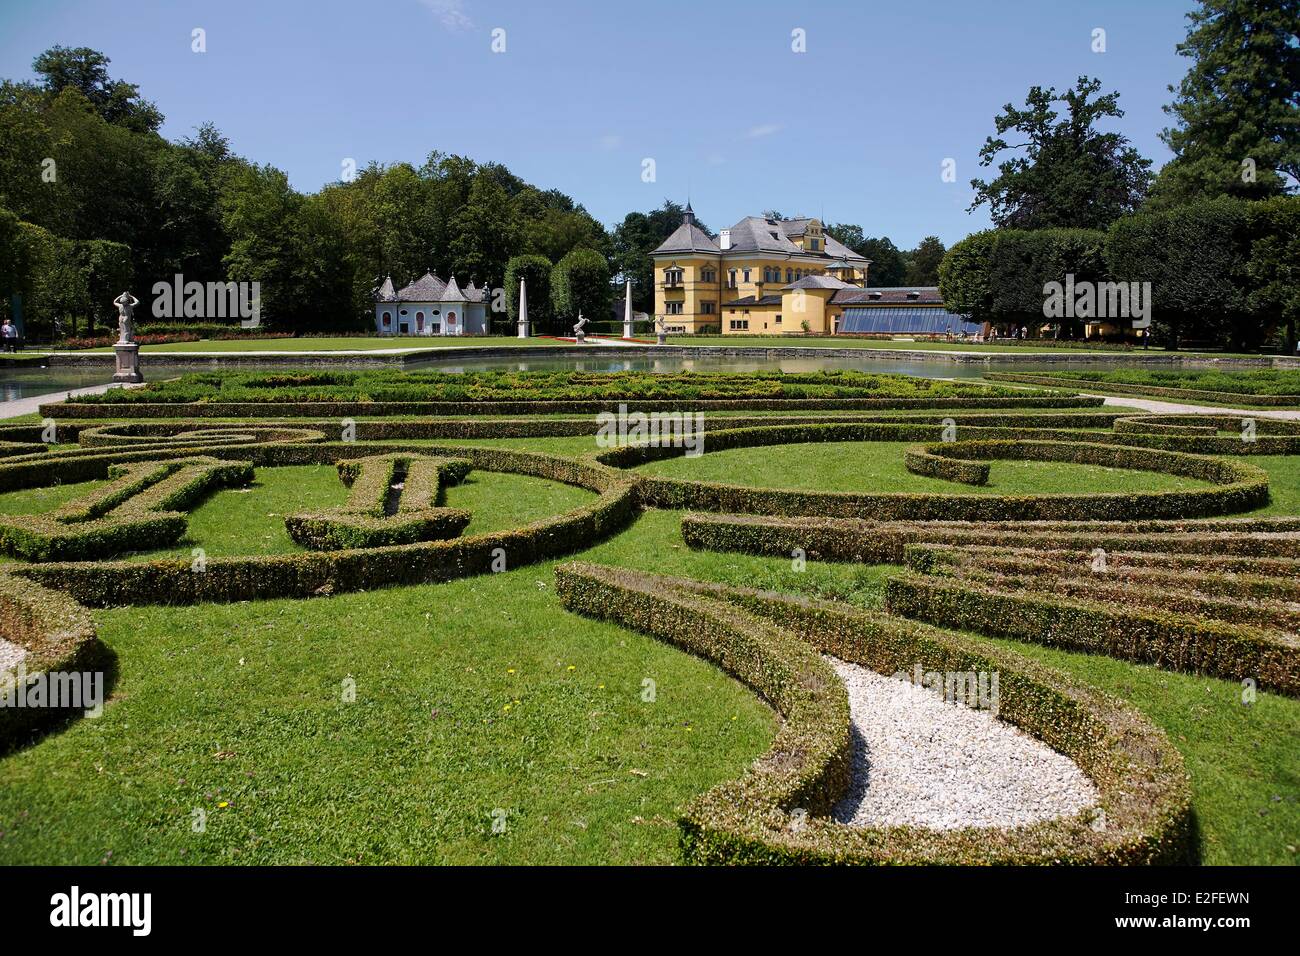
348	344
1241	759
1245	382
878	467
1283	482
296	386
242	703
251	521
471	697
34	501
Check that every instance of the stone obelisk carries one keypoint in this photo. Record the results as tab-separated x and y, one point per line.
627	312
523	310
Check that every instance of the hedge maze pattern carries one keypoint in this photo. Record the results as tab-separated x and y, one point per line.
1168	578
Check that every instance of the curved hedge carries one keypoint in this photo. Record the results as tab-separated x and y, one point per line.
1247	541
141	508
364	521
768	642
57	635
110	583
1168	640
216	409
1240	486
1150	391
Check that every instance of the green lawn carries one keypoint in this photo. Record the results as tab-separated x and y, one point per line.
484	695
878	467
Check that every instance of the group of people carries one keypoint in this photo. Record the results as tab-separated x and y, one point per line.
9	336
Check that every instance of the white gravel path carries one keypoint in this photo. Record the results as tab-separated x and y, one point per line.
920	761
10	654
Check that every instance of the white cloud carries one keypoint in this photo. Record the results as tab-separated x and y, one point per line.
765	129
450	14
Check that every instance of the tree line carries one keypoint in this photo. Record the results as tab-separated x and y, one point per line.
1216	232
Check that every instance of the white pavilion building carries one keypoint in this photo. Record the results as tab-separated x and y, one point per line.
429	306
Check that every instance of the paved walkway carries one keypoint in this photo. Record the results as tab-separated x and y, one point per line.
30	406
1177	408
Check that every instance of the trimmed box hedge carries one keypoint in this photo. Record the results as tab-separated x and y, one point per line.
58	636
1241	486
141	508
118	583
1150	391
138	410
768	641
1227	542
363	522
1167	640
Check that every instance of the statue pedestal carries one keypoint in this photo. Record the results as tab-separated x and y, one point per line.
128	363
523	330
581	336
627	330
663	339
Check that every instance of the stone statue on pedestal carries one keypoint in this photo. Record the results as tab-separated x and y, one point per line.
128	352
577	330
126	304
661	329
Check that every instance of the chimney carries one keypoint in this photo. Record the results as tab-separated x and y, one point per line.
724	239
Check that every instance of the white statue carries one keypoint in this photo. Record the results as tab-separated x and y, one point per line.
661	329
577	329
126	304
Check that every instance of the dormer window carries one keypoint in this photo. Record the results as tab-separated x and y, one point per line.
673	276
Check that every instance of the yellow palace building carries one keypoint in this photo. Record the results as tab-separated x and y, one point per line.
760	277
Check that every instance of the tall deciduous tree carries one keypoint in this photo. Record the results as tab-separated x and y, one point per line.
536	272
1274	265
580	283
1064	171
638	235
86	71
1237	129
923	262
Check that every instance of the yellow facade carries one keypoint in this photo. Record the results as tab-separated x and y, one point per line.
695	289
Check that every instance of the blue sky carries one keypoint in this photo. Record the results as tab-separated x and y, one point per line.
855	129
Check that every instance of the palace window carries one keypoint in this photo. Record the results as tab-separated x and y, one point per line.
709	275
731	279
388	320
789	275
778	320
673	277
673	308
707	308
740	325
746	275
419	321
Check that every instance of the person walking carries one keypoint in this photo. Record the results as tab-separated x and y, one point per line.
9	336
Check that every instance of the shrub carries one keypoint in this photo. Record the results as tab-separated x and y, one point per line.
1240	487
769	642
364	522
57	634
